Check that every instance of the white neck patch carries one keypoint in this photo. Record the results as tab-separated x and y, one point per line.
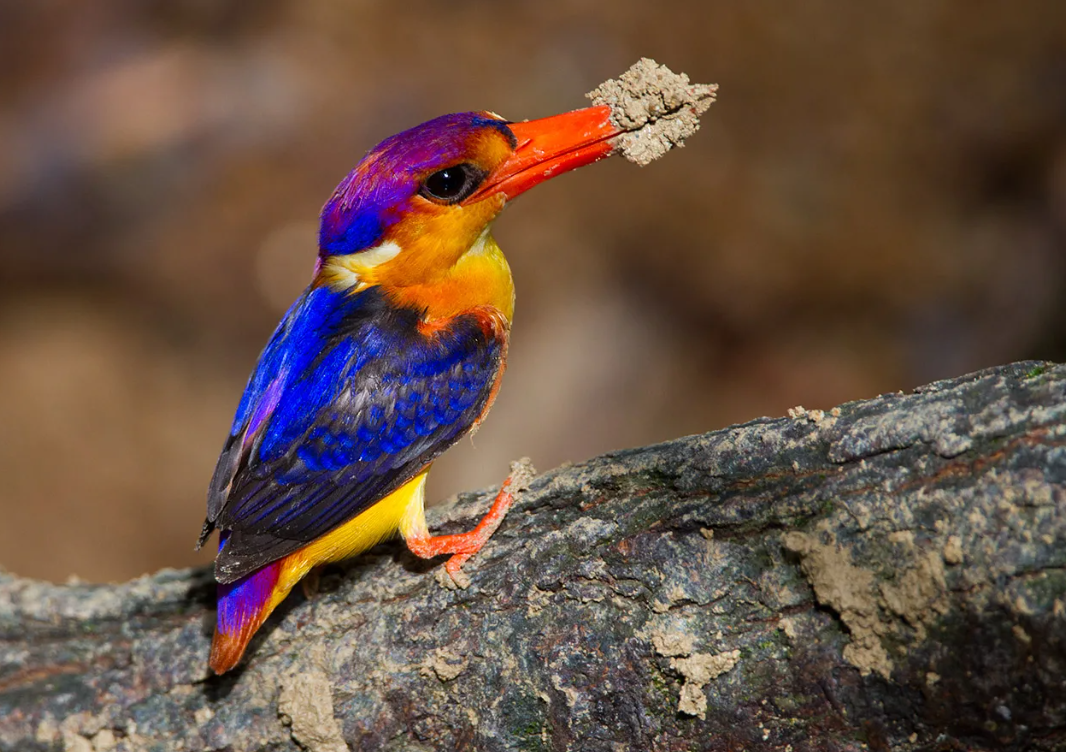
372	257
345	270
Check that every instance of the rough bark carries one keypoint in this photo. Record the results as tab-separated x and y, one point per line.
889	575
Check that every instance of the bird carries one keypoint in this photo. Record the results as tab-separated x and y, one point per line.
393	352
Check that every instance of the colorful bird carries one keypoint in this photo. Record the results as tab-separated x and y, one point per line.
392	353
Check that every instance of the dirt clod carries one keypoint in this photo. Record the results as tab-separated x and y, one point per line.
306	705
656	107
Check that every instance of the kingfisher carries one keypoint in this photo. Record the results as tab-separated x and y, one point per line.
393	352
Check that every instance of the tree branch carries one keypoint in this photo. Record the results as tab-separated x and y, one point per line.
890	575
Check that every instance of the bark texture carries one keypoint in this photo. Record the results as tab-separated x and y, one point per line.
888	575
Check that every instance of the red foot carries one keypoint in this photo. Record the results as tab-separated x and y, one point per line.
464	545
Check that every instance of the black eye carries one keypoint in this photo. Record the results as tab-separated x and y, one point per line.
452	184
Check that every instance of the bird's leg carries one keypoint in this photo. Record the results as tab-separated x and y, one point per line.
464	545
310	582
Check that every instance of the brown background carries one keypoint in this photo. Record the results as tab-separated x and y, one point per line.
877	200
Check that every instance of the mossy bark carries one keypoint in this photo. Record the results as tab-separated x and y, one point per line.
890	575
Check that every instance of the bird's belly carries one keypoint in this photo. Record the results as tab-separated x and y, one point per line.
358	534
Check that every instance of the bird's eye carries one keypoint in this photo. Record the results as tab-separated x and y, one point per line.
452	184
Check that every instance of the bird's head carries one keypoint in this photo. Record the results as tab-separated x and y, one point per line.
421	200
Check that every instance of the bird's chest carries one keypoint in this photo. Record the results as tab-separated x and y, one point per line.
480	280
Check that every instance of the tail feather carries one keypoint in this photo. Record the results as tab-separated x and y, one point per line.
243	606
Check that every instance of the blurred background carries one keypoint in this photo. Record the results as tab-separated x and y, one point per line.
877	200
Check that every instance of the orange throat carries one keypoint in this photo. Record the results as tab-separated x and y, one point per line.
478	281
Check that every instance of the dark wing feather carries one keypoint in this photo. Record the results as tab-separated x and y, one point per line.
363	415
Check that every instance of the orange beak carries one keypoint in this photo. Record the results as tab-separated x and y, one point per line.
549	147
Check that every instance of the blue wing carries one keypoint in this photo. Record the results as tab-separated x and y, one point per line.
349	401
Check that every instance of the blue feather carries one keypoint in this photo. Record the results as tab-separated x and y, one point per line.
353	401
